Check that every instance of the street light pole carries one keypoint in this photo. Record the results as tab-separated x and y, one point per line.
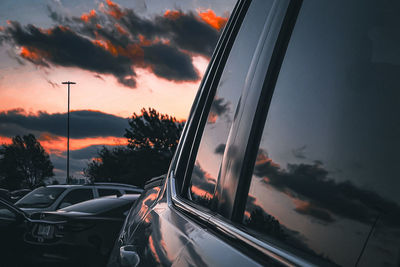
68	83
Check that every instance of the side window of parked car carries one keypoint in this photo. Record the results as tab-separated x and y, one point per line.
221	113
76	196
325	181
108	192
131	192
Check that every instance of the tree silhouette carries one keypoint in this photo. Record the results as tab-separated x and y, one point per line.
24	163
153	131
152	140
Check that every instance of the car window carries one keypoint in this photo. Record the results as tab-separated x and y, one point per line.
41	197
132	192
221	114
76	196
326	172
108	192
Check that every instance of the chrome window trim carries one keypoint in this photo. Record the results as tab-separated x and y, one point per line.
272	251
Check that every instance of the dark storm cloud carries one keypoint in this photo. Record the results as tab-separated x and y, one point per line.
115	40
203	180
63	47
169	63
86	153
220	149
189	33
316	212
310	183
218	108
84	123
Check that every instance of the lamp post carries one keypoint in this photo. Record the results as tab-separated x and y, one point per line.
68	83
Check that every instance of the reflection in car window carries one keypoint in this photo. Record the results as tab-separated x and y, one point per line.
222	109
76	196
326	172
40	198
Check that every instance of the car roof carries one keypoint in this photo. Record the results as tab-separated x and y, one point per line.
111	185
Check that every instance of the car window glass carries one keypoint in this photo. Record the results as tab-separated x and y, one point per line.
108	192
221	114
131	192
40	197
326	173
76	196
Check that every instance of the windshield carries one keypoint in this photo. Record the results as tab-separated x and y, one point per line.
97	205
40	198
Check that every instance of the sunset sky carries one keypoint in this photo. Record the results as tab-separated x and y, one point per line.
123	55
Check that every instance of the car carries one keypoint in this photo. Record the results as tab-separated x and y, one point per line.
5	194
18	194
54	197
80	235
13	224
289	156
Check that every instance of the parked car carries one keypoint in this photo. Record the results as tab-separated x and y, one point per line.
18	194
5	194
54	197
80	235
13	224
290	154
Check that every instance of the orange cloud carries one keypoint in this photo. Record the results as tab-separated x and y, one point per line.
201	192
48	137
262	158
172	14
120	29
96	159
88	16
57	144
114	10
132	51
30	54
213	20
5	140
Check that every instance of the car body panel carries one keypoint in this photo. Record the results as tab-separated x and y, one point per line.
68	188
168	227
76	236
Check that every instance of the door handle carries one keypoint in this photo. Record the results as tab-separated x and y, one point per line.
128	256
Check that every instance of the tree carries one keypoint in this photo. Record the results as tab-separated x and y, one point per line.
153	131
152	140
24	163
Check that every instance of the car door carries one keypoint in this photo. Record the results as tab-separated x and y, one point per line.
170	225
12	228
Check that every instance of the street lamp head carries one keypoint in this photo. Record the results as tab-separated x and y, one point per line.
68	82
